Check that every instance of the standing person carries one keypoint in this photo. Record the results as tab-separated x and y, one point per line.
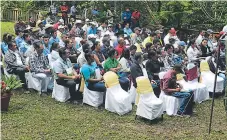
126	16
200	38
170	87
64	77
53	11
64	9
110	15
135	19
15	63
39	66
73	12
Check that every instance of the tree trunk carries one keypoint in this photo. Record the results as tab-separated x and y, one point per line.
150	11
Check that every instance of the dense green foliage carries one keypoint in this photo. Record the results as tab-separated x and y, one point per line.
179	14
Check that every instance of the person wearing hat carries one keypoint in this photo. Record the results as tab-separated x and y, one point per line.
159	36
110	30
92	29
64	10
136	37
60	22
60	31
169	86
172	34
78	27
34	34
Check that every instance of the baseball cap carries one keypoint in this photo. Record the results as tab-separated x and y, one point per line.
158	32
181	43
137	28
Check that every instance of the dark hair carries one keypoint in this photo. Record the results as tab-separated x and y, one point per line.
111	52
156	40
204	39
133	47
87	55
168	46
85	48
5	37
125	53
25	35
148	45
54	46
45	36
61	51
37	44
151	53
10	44
145	56
153	34
95	44
138	55
178	68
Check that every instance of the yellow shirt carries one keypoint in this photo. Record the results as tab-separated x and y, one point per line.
147	40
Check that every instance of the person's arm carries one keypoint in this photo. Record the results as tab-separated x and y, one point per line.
10	61
167	89
97	60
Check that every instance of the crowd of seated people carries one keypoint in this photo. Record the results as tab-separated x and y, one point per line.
68	56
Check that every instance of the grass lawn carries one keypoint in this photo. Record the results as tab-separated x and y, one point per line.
7	27
34	117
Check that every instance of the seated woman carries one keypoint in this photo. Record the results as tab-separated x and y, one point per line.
98	55
111	64
88	72
206	51
125	62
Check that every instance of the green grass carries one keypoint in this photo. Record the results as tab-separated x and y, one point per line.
7	27
34	117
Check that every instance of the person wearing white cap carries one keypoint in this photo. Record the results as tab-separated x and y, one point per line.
78	28
60	22
110	30
92	29
172	34
60	31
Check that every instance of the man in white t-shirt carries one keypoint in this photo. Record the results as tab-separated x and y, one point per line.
110	30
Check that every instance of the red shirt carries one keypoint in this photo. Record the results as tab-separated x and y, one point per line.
64	10
119	49
165	82
136	16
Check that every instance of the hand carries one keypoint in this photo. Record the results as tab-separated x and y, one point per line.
113	69
178	89
153	82
27	67
47	71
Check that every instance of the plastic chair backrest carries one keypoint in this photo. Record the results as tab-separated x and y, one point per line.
111	79
143	85
204	66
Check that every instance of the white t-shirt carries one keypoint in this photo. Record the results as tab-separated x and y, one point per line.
192	54
18	58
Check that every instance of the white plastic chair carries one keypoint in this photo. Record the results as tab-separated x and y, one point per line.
60	93
149	106
50	60
132	94
207	78
170	104
117	100
201	92
33	83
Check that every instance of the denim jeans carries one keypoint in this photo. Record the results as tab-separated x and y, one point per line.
100	86
124	82
185	100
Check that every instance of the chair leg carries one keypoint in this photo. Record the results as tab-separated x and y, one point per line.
136	117
162	117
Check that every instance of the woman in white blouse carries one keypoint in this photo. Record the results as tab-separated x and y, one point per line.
125	62
193	52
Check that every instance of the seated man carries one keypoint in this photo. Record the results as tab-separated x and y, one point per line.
15	63
137	69
39	65
170	87
65	76
81	58
112	64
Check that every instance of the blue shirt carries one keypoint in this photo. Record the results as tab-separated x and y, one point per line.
18	40
126	14
4	47
88	71
46	49
128	31
95	12
92	31
52	40
23	47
